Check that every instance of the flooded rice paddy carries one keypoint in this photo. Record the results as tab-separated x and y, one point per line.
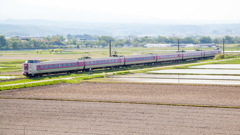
178	79
198	71
7	77
219	66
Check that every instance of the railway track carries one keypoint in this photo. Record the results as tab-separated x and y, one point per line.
99	70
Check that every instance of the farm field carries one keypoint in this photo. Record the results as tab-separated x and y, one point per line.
94	53
149	93
49	117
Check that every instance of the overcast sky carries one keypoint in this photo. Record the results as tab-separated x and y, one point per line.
128	11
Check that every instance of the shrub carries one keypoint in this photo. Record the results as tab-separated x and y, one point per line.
219	56
89	77
123	72
39	51
50	51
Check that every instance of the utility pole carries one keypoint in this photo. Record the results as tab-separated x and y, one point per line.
178	45
223	45
110	48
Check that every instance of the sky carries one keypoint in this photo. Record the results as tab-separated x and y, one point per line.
124	11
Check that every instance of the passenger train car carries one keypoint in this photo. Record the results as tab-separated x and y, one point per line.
34	68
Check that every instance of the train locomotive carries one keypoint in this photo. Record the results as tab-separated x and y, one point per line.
36	68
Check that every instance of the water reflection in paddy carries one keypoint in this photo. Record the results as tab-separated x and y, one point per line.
219	66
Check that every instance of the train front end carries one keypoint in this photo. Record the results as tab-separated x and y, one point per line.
27	67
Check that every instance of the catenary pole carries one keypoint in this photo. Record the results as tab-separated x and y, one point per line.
110	48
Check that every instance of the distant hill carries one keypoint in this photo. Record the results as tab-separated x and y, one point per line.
47	27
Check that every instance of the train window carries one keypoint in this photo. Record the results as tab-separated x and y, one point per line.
144	58
38	66
56	65
161	56
99	62
103	61
65	65
133	59
92	62
69	64
46	66
130	59
110	61
136	58
116	60
113	60
88	62
74	64
95	62
51	66
106	61
127	59
60	65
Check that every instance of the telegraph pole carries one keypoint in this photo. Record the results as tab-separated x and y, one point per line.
223	45
110	48
178	45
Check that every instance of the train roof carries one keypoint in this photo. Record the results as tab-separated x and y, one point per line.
62	61
146	55
104	58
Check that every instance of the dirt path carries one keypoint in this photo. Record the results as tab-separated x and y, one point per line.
152	93
68	117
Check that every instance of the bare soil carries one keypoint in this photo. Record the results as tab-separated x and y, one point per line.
42	117
12	73
153	93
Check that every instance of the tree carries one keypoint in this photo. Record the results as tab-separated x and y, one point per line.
3	41
74	41
106	38
69	36
36	43
228	39
205	39
50	51
188	40
162	39
119	43
127	42
15	45
216	41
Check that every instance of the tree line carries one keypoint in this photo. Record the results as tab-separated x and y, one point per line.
103	41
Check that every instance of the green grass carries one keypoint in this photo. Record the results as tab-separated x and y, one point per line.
29	85
11	65
123	72
50	82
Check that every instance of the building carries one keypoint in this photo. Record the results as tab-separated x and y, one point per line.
32	38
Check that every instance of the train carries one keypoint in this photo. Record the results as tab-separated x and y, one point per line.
36	68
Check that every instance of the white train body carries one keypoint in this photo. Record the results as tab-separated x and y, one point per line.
37	68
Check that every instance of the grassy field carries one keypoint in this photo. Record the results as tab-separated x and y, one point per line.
50	82
11	65
94	53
